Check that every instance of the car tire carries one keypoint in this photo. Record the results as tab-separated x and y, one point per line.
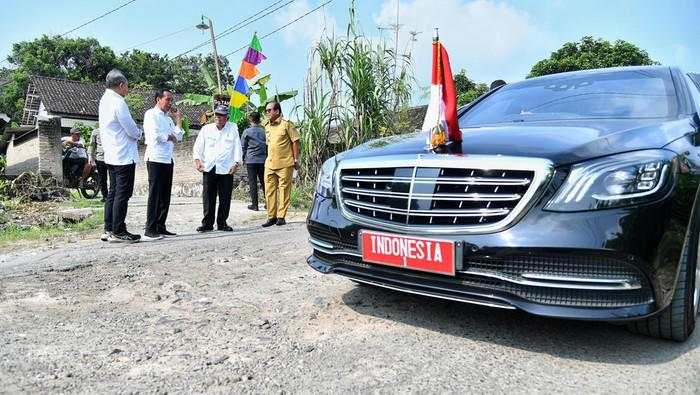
677	321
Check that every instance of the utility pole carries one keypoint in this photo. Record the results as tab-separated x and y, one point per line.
210	27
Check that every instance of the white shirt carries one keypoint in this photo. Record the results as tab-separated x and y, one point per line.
220	148
157	127
118	131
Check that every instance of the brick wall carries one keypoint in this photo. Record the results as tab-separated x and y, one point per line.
187	182
50	150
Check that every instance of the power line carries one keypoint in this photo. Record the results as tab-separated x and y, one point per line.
280	28
96	18
184	30
245	22
160	37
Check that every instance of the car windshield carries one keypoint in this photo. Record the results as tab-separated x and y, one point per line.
616	94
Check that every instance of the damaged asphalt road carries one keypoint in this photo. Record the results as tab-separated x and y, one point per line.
241	311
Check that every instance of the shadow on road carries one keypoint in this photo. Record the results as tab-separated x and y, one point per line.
579	340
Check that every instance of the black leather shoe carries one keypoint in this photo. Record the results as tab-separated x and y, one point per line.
252	207
269	222
281	222
201	229
167	233
224	228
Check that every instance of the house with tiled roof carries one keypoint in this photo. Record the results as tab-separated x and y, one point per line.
54	105
77	101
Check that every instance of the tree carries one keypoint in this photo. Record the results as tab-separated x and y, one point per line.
467	89
82	59
591	53
147	68
187	75
181	74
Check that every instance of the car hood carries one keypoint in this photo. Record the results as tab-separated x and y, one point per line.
562	143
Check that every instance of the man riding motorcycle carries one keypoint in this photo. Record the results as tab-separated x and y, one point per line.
74	155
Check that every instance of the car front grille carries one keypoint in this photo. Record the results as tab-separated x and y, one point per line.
433	196
449	193
510	267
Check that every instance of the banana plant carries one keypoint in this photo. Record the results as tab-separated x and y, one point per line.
259	88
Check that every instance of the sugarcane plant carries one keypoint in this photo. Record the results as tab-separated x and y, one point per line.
356	90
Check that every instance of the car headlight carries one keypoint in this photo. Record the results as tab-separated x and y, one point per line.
616	181
324	185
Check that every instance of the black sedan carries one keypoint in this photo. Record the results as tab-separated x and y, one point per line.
573	195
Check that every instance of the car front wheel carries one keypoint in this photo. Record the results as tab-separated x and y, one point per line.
677	321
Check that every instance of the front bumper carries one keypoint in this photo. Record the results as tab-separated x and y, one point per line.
631	255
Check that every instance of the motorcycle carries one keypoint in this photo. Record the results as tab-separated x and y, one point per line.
87	182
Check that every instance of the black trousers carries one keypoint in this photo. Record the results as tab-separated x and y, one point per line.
121	187
160	184
214	185
102	177
256	172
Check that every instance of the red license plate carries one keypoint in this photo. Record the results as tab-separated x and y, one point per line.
408	252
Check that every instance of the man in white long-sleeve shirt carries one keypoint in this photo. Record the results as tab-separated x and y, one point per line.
120	137
217	155
160	134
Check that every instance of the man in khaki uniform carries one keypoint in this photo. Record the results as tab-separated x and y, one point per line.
282	159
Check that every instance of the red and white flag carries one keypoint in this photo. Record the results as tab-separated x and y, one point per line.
441	118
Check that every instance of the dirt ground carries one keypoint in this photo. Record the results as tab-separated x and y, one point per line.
242	312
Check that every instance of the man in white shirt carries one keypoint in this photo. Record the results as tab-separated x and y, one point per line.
217	155
120	137
160	134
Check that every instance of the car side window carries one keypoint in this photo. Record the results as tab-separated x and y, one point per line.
694	92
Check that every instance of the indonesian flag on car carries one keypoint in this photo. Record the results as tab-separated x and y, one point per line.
441	118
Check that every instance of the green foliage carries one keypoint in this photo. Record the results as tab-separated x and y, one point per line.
242	124
194	99
3	163
301	196
187	74
360	94
84	59
85	131
14	233
185	127
314	147
467	89
258	88
147	68
591	53
12	99
136	102
208	78
4	188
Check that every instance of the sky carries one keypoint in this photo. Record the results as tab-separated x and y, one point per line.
489	39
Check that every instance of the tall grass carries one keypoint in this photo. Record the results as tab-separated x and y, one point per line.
354	91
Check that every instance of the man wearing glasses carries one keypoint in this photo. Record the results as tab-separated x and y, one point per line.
282	159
